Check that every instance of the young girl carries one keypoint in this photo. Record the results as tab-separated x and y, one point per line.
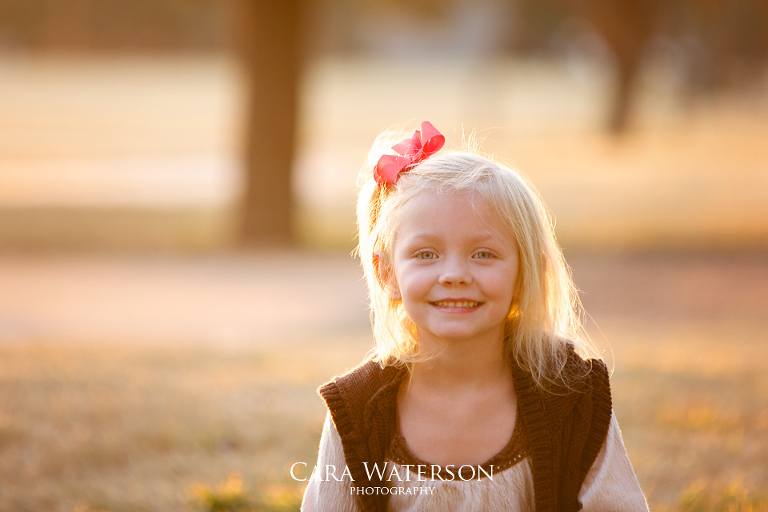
478	396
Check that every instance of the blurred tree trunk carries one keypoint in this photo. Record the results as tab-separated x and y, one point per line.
626	27
69	24
267	39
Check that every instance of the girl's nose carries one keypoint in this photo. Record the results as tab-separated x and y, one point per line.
454	272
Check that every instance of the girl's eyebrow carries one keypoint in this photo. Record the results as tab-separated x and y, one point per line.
480	237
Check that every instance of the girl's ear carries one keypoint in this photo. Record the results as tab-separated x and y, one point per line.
385	274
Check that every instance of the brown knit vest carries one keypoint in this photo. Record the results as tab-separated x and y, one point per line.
565	427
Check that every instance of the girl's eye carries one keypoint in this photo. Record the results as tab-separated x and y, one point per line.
483	255
426	255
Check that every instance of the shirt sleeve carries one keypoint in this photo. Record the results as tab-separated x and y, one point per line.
329	488
611	484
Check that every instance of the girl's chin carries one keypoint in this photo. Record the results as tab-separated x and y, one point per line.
439	340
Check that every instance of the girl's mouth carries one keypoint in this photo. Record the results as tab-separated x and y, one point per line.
456	304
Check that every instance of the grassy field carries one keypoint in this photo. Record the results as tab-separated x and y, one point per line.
114	425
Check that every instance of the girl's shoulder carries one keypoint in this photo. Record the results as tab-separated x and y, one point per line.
580	375
349	395
365	379
585	370
581	385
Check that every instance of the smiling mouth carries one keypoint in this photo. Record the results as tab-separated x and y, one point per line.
456	304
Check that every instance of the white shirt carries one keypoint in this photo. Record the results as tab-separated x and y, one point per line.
610	484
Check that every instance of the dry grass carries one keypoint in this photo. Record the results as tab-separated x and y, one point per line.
112	426
121	427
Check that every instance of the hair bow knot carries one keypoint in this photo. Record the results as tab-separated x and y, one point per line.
419	146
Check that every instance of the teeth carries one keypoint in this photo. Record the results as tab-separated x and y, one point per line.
465	304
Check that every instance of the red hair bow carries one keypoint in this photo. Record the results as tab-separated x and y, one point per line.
422	144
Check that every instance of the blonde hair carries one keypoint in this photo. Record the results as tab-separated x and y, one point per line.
546	313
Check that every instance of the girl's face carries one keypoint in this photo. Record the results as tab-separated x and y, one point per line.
454	266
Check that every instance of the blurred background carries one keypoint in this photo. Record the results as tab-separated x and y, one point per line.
177	212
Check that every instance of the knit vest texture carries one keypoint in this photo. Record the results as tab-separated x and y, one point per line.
565	427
